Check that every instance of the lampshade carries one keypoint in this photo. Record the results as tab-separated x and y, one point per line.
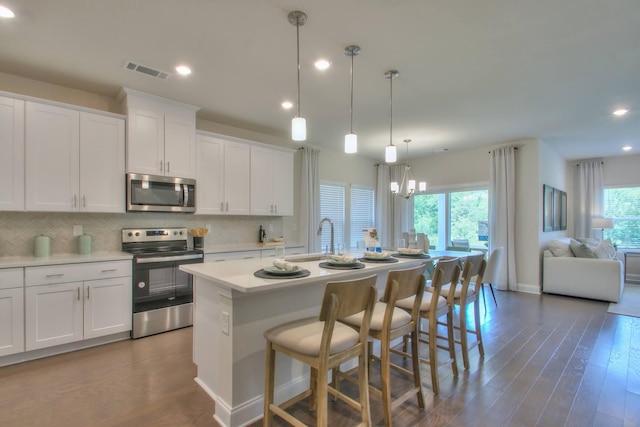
390	154
351	143
601	223
407	187
298	129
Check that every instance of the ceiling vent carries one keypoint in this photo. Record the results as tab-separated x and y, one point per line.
163	75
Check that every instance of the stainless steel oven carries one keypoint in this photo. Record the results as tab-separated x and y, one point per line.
162	294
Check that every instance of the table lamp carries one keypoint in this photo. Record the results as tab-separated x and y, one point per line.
601	223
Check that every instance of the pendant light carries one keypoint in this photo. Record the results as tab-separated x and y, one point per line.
351	139
390	153
298	124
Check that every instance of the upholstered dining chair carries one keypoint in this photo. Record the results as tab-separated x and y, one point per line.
389	323
492	273
462	294
324	343
433	307
460	245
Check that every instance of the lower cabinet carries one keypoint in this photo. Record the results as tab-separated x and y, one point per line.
68	311
11	311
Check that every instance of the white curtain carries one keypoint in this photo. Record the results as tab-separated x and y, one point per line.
502	212
589	190
310	198
394	214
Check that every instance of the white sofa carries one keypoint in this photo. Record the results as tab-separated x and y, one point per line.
594	278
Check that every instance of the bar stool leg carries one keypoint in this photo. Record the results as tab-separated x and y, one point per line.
363	380
451	340
416	365
476	312
322	378
313	385
269	388
385	373
463	337
433	357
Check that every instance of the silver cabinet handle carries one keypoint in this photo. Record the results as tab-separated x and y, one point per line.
221	206
168	167
78	293
161	164
271	208
50	276
88	292
84	201
227	206
111	270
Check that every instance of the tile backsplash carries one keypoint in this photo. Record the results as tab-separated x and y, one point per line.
18	229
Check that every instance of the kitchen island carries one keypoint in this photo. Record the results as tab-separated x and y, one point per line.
232	309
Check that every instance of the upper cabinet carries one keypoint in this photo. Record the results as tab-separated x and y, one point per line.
11	154
271	181
74	160
223	175
161	135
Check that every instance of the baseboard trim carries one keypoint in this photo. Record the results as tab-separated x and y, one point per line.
529	289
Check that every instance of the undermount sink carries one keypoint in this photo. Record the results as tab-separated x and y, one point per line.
306	257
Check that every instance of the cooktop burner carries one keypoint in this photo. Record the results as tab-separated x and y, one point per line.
156	241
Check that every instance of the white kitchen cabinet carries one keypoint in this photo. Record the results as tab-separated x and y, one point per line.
107	306
223	176
271	181
74	160
102	168
72	302
11	311
161	136
11	154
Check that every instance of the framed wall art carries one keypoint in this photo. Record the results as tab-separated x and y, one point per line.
554	209
547	208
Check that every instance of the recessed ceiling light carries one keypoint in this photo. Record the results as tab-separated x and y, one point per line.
5	12
620	112
183	70
627	147
287	105
322	64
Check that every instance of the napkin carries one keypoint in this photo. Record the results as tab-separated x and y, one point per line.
343	258
284	265
378	255
410	251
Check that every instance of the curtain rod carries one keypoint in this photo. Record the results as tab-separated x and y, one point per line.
503	147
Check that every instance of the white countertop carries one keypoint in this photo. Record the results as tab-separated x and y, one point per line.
31	261
215	249
238	274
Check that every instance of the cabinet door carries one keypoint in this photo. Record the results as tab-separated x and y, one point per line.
102	177
237	173
145	141
180	143
210	175
11	321
261	181
11	154
283	182
107	306
52	163
53	315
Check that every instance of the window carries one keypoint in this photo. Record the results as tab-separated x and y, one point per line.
359	209
453	215
623	205
362	213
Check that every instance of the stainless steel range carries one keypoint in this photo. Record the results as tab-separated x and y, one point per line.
162	294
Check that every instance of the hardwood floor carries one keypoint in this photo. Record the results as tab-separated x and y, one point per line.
550	361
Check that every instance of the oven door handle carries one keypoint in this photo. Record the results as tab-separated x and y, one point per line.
167	258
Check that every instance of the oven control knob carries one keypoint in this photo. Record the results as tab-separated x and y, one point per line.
130	234
141	285
181	233
137	233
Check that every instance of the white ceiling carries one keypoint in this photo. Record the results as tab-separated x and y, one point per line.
472	72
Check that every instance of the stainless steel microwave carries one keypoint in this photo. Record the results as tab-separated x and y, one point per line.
153	193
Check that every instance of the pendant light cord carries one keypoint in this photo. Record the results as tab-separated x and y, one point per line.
391	109
298	59
351	108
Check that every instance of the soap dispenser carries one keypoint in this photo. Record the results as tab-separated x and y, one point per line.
261	235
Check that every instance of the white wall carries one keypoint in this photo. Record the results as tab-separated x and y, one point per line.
347	168
451	169
622	171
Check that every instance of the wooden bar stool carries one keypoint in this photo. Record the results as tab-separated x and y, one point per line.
464	294
387	324
324	343
433	307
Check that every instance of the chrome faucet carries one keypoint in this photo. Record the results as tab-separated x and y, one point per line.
327	219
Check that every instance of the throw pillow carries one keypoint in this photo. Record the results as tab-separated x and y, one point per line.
588	241
581	250
599	250
609	248
560	248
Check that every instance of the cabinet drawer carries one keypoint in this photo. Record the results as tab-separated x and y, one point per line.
11	278
226	256
76	272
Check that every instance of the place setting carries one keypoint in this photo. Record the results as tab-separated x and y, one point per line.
411	253
379	257
341	262
281	269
